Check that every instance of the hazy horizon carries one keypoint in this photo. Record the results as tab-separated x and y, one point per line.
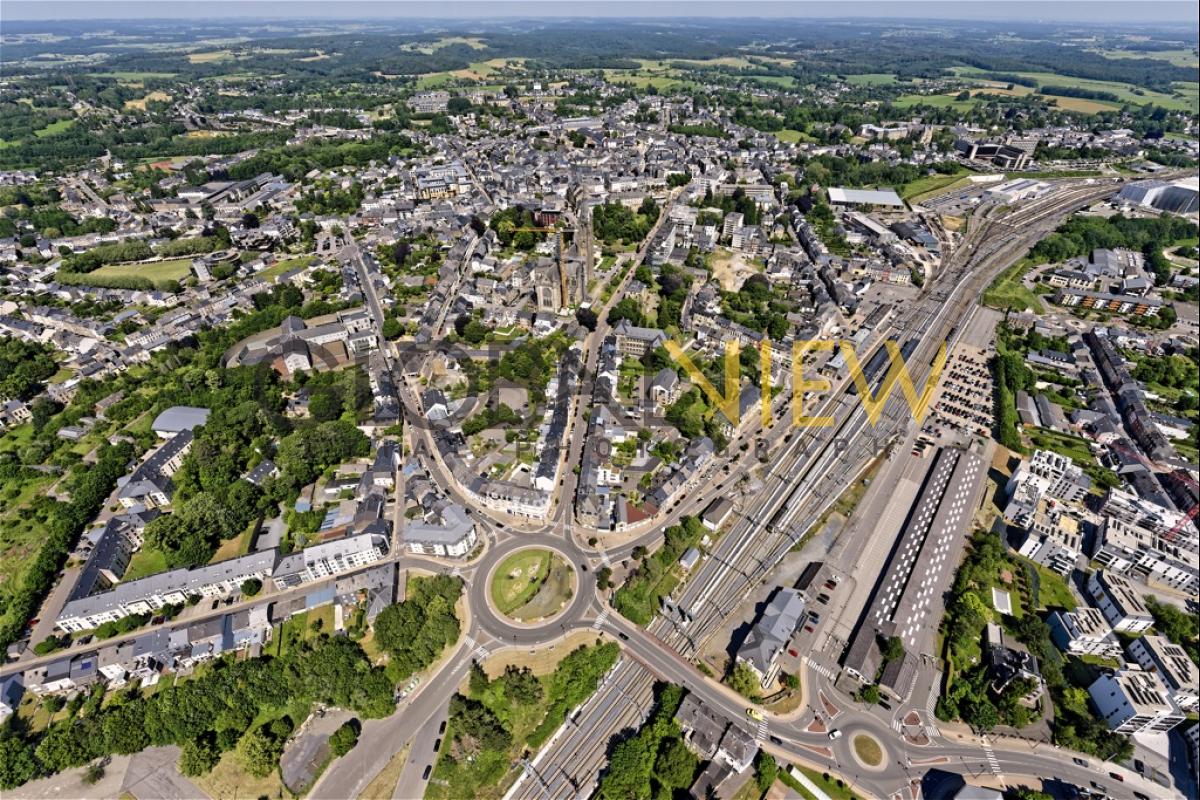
1100	13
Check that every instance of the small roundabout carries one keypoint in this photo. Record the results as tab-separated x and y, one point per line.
530	589
867	750
533	584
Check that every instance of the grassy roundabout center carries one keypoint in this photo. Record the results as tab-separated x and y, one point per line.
532	584
868	750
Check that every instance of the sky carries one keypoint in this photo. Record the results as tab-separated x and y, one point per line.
1099	11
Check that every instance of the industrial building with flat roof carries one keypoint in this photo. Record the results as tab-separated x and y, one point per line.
907	600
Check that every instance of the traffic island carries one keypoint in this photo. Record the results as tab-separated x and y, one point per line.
532	585
867	751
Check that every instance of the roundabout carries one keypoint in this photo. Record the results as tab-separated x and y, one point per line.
531	588
532	585
867	750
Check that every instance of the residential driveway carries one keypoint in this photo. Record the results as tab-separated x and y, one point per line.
306	753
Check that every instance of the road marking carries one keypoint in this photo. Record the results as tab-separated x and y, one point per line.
600	620
992	762
604	558
821	668
761	733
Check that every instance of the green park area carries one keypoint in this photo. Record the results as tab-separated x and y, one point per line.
172	269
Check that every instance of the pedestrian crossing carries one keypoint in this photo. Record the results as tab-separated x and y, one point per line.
821	668
604	558
993	763
598	623
478	650
761	732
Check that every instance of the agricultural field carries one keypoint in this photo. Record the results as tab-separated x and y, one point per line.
1126	93
872	79
152	97
1181	58
211	57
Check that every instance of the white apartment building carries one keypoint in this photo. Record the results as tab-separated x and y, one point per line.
1052	537
1174	668
1055	475
1135	701
453	536
147	595
1120	604
1084	632
1169	558
329	558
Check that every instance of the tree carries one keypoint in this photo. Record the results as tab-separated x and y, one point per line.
17	764
675	765
342	740
258	753
521	685
587	318
251	587
870	694
604	578
199	756
392	329
891	648
766	770
744	681
458	105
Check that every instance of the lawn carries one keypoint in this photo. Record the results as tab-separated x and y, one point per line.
778	81
871	79
278	268
173	269
58	126
229	780
933	100
834	788
518	578
868	750
147	561
1007	293
1052	589
789	135
931	185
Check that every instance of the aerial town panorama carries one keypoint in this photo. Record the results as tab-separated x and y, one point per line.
785	401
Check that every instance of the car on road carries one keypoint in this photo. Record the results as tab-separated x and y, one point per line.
442	728
437	745
822	598
754	713
425	774
1080	762
1116	776
835	734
